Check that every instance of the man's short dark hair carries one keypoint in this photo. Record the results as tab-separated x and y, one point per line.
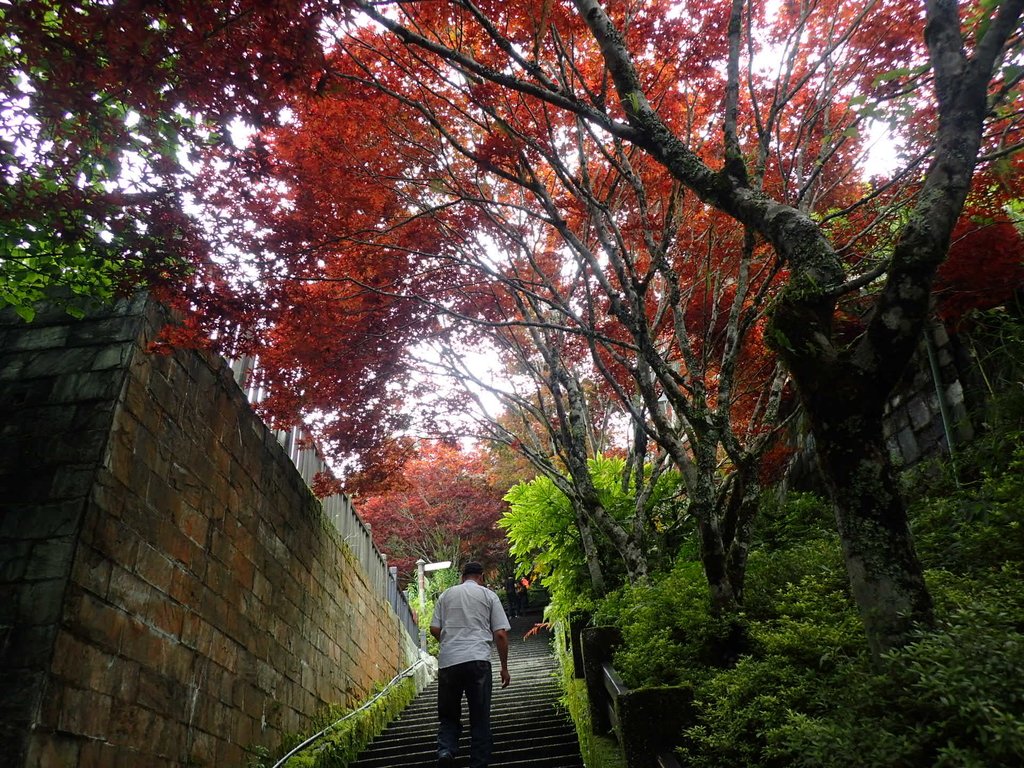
472	567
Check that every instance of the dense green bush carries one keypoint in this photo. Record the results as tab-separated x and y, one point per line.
544	538
789	681
980	526
951	698
803	690
668	634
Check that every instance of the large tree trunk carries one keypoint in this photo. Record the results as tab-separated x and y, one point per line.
590	551
713	555
884	571
738	526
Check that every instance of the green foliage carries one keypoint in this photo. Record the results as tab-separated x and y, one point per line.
952	697
802	690
803	632
799	516
341	745
979	525
543	536
668	634
975	526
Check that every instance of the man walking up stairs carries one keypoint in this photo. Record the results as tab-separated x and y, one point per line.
528	726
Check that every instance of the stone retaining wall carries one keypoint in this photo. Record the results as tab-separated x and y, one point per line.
913	426
170	593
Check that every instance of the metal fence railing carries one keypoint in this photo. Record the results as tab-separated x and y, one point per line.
338	508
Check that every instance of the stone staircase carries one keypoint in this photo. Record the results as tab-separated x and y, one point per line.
528	726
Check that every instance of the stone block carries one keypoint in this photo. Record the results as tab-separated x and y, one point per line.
72	481
202	747
182	550
243	571
214	609
115	356
20	693
192	524
141	643
919	413
909	449
53	750
40	602
230	754
24	395
195	632
27	646
931	437
163	695
651	721
40	337
54	362
130	725
99	754
115	540
578	621
166	616
86	385
130	593
83	665
51	558
14	560
97	620
598	645
91	570
25	493
84	713
155	568
52	519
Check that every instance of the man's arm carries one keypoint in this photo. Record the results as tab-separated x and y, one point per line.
436	632
501	643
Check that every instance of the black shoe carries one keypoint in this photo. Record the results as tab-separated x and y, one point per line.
445	761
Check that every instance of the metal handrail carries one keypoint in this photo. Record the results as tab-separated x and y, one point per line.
407	672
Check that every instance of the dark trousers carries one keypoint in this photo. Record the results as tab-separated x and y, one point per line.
472	678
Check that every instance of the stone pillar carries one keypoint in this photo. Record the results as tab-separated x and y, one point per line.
599	644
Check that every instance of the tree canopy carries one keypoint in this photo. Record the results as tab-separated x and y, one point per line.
665	203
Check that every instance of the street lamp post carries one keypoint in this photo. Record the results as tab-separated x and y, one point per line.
422	568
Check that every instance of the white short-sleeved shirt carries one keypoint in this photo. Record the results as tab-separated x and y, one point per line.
468	615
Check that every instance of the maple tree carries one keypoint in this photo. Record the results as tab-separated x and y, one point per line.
99	104
121	168
442	506
967	74
603	149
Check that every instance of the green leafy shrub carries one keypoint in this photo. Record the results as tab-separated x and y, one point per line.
797	517
803	634
975	528
343	742
668	634
543	535
952	698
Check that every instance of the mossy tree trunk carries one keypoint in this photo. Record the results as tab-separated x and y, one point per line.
885	574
